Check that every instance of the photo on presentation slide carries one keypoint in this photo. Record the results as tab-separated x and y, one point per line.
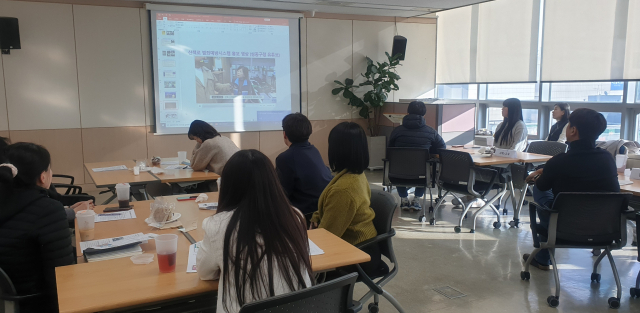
223	79
170	95
169	84
170	105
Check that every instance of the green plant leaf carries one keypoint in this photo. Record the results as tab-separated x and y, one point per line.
337	90
348	94
364	112
338	82
348	81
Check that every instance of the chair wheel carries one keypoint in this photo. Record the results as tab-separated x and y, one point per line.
553	301
614	302
634	292
422	219
595	277
596	252
514	224
497	225
525	275
430	209
432	221
457	229
505	211
373	308
472	231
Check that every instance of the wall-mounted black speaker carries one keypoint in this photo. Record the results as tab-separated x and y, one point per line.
399	46
9	34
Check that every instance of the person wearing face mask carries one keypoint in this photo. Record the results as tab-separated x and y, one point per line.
558	131
34	232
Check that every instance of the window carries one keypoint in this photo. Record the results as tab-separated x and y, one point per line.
466	92
587	92
613	126
522	91
638	94
530	117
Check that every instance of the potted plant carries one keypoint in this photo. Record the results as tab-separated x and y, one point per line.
380	79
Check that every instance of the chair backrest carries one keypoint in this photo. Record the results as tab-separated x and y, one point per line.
384	205
334	296
591	217
7	288
408	163
455	166
547	147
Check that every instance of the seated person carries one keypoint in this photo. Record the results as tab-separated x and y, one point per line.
415	133
344	208
584	168
212	149
300	168
34	232
558	131
512	133
252	210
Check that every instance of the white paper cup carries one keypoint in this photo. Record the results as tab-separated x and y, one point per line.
182	156
136	170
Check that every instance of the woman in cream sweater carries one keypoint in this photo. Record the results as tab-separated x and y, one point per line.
212	150
254	227
344	207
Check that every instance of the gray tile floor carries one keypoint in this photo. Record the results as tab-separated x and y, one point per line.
486	267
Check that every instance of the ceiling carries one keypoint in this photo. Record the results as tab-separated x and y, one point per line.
402	8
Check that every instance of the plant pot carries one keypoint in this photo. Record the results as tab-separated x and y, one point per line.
377	152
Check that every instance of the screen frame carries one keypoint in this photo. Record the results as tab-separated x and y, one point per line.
296	84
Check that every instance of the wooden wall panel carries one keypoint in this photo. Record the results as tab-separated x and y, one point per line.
110	80
64	145
113	144
272	144
41	79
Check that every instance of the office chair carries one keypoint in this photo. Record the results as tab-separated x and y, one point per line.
605	228
519	173
410	167
634	292
9	298
331	297
458	177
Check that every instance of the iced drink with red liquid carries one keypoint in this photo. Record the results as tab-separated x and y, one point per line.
167	248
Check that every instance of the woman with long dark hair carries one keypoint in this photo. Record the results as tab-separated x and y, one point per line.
212	149
34	232
256	243
242	83
512	132
558	131
344	207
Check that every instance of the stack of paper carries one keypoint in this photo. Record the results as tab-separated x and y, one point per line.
113	248
115	216
111	168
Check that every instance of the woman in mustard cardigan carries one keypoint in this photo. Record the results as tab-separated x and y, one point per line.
344	207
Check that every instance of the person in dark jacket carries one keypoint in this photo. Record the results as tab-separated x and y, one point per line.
415	133
301	170
34	233
584	168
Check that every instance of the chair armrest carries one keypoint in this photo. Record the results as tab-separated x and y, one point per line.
376	239
367	281
6	297
69	187
356	306
542	207
65	176
494	175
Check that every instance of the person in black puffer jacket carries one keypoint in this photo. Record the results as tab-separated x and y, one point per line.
414	133
34	233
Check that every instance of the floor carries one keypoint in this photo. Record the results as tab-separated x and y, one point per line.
486	265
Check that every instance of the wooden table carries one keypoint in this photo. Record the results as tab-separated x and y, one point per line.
497	160
633	188
114	284
181	176
111	178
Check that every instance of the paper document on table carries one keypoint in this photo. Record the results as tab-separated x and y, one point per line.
625	182
169	163
177	167
115	216
193	253
114	242
111	168
314	249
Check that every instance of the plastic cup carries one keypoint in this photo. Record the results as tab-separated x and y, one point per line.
167	250
182	156
621	162
86	224
136	170
123	192
627	172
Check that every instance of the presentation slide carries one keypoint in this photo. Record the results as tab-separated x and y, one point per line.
237	73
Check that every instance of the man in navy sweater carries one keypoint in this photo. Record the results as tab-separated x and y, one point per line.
584	168
301	170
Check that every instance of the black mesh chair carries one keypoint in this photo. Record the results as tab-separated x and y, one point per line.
9	298
331	297
384	205
519	173
594	220
458	177
410	167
